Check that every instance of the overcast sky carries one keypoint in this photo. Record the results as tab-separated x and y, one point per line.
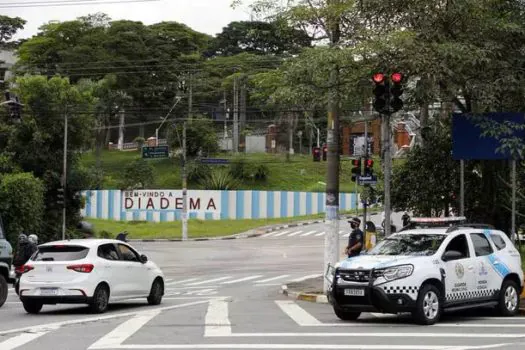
207	16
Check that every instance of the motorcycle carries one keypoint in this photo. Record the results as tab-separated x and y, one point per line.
18	274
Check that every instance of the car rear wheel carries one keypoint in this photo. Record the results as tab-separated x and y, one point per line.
156	293
428	305
32	307
346	315
509	299
100	301
3	290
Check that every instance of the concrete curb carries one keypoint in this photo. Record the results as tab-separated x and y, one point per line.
313	298
257	232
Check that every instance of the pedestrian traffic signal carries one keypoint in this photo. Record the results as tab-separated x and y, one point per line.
369	167
396	91
380	92
60	196
356	169
317	154
325	152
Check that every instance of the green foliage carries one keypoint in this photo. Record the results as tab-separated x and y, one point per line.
8	27
140	141
104	234
219	179
197	171
138	175
240	169
201	137
261	172
22	205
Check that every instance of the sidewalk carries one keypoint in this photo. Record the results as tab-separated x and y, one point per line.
312	290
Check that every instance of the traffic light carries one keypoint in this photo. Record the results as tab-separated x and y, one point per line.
60	196
369	167
380	92
325	152
356	169
317	154
396	91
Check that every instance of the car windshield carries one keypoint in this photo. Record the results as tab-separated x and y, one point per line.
409	244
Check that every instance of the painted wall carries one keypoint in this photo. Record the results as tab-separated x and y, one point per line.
166	205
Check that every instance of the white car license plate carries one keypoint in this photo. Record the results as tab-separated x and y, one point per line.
355	292
48	291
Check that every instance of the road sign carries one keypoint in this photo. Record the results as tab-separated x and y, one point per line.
214	161
155	152
367	180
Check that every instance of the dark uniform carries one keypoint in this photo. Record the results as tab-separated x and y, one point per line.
356	236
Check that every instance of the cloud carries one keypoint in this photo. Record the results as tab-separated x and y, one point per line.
207	16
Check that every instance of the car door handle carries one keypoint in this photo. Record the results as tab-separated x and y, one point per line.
470	267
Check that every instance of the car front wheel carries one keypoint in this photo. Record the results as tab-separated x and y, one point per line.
428	305
509	299
156	293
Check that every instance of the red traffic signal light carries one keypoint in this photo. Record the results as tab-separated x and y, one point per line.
369	163
396	77
355	162
378	78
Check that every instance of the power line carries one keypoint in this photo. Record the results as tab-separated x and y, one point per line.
60	3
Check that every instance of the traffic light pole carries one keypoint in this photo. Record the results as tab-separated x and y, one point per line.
64	178
365	204
387	171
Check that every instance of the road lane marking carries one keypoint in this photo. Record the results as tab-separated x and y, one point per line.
217	323
52	325
24	338
300	279
308	233
272	279
210	281
281	233
243	279
268	234
297	313
295	233
183	281
306	346
124	331
372	335
320	234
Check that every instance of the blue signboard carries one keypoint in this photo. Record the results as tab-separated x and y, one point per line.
214	161
155	152
468	141
367	180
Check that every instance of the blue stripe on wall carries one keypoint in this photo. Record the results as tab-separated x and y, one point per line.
163	216
255	204
99	204
178	215
320	202
342	201
136	216
224	205
111	198
270	205
149	216
284	204
308	203
208	216
296	204
88	203
239	205
123	216
193	215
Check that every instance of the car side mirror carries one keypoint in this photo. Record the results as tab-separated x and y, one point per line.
452	255
143	259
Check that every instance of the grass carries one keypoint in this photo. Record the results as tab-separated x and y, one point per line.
196	228
300	173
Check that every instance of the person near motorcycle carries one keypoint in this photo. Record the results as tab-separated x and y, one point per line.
24	251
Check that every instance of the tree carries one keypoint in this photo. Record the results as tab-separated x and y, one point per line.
138	175
201	137
259	38
8	27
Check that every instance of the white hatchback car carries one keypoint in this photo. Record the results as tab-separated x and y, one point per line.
427	271
88	271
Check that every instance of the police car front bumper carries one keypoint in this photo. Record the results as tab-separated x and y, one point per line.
364	296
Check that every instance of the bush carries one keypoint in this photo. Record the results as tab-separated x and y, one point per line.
21	205
201	137
219	179
261	172
140	141
197	172
240	169
138	175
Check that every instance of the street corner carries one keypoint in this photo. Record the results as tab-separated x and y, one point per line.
306	290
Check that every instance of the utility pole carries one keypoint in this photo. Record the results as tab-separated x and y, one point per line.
235	116
243	110
365	205
64	177
331	242
121	129
290	136
190	98
184	187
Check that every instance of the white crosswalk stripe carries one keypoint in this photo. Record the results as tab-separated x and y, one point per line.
308	233
281	233
320	234
302	233
272	279
295	233
217	281
244	279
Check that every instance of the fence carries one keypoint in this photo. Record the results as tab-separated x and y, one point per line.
166	205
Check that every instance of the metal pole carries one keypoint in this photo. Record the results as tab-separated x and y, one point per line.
235	117
156	136
388	173
121	130
462	188
318	145
513	228
184	187
366	158
190	99
64	178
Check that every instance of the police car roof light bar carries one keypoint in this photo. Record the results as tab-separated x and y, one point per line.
473	225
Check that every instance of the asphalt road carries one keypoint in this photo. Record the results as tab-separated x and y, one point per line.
225	295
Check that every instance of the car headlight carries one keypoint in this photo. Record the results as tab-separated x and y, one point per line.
397	272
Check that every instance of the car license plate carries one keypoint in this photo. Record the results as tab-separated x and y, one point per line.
355	292
48	291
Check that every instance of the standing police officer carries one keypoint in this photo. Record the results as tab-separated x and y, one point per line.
356	239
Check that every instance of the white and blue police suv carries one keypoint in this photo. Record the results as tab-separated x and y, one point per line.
429	270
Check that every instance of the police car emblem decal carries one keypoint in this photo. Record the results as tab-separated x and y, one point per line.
460	271
483	270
